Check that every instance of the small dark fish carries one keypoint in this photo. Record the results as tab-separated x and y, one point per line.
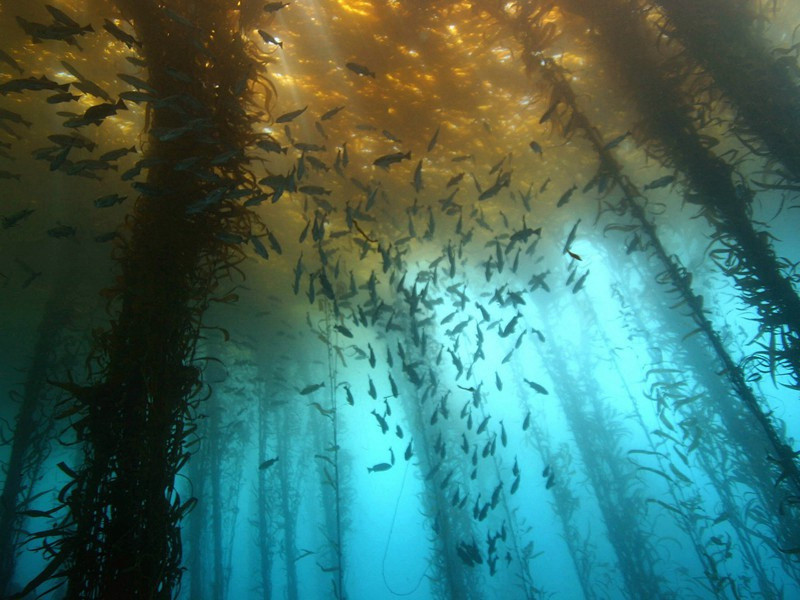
390	136
62	231
536	147
539	388
484	423
432	142
616	141
660	182
566	196
271	145
290	116
14	117
551	481
6	58
311	388
579	284
387	160
109	200
575	256
417	181
268	463
527	422
116	154
379	467
455	180
571	236
270	40
544	185
381	421
331	113
272	7
360	69
118	33
12	220
546	471
343	330
261	249
409	452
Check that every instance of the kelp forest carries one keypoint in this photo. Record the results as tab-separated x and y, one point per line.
370	299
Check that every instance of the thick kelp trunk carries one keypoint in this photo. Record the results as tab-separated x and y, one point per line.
121	538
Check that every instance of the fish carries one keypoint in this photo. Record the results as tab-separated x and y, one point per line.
483	424
551	481
13	219
116	154
268	39
96	114
571	237
271	7
381	422
536	147
579	284
566	196
109	200
535	386
503	180
261	249
14	117
509	328
409	452
527	422
33	84
359	69
291	116
455	180
311	388
417	181
91	88
331	113
120	35
379	467
62	231
387	160
390	136
616	141
6	58
432	142
343	330
268	463
660	182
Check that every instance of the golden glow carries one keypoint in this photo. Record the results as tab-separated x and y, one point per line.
361	8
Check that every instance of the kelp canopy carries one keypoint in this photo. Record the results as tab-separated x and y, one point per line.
435	299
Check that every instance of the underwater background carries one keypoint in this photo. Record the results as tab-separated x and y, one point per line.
375	298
